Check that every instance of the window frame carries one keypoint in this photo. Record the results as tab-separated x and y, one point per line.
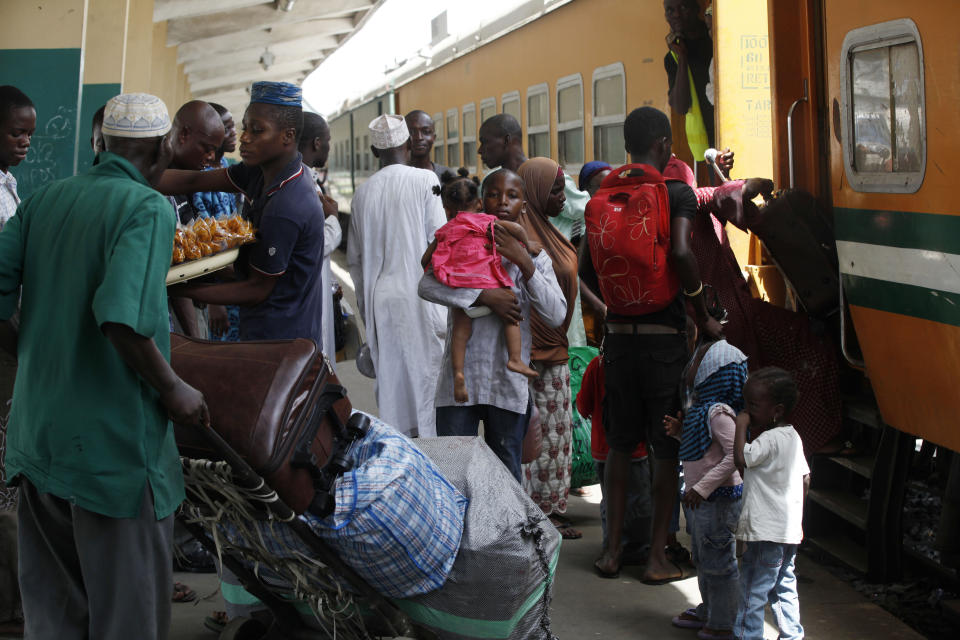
455	112
469	163
512	96
536	90
438	138
573	80
598	122
879	36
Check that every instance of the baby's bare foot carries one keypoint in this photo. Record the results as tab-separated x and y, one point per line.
519	366
460	388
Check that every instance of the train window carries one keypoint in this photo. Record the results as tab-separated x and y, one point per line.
469	134
438	142
538	121
884	123
510	104
366	153
609	112
488	109
570	121
453	138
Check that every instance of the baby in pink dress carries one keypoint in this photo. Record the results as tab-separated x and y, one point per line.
463	255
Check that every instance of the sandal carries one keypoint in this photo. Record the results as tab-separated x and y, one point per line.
216	622
688	620
567	532
183	593
677	554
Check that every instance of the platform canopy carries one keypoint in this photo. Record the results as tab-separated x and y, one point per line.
226	45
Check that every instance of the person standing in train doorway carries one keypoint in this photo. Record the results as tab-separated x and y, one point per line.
687	64
644	357
422	136
394	216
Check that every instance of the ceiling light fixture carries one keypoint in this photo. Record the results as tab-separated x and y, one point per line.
266	59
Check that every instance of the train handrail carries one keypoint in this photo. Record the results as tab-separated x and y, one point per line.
853	362
804	98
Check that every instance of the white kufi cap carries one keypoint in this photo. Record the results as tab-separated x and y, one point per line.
388	131
135	115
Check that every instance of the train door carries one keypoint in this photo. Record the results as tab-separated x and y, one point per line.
857	128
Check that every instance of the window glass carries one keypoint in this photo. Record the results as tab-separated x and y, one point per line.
537	110
908	114
871	111
453	154
452	124
887	109
487	110
571	146
469	123
570	103
608	96
608	144
538	145
512	107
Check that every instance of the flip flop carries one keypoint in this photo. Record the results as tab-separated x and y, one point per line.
216	622
660	581
183	593
689	622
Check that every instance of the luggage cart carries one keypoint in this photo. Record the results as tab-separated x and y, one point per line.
228	508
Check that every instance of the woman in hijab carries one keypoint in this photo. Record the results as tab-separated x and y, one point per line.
547	479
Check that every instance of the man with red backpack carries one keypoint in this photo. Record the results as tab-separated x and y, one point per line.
638	259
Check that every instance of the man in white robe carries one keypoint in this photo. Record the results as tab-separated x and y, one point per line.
393	218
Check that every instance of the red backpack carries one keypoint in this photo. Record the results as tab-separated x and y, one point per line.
628	227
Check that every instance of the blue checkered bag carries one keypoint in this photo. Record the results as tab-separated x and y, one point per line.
398	522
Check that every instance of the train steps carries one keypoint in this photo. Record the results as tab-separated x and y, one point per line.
854	511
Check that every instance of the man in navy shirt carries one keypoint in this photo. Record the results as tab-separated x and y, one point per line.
279	290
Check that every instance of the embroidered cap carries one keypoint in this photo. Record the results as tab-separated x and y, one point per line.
281	93
388	131
135	115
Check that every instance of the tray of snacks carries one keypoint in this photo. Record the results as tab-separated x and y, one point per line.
206	245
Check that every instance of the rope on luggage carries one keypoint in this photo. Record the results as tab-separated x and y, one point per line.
239	522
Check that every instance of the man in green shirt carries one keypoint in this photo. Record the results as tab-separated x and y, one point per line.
90	443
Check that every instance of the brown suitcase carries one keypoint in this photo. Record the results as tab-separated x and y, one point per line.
276	403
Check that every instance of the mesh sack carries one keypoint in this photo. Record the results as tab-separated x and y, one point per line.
583	472
500	584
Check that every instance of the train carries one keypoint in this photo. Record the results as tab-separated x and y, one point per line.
853	102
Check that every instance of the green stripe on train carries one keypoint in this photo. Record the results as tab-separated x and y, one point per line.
904	299
902	229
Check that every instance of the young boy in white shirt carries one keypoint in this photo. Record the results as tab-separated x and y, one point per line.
774	486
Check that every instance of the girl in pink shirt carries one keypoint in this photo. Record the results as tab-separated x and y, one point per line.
464	255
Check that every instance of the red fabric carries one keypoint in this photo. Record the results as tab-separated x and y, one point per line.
590	405
677	169
771	335
462	259
628	227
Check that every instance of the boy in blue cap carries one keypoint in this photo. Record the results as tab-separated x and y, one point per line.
279	290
